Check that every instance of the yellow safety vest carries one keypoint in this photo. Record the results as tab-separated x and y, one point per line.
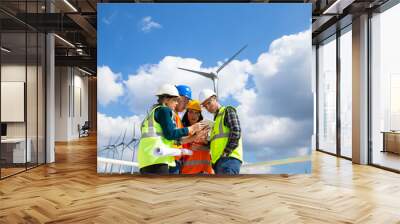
152	138
219	139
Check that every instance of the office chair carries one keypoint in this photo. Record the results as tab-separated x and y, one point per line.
84	130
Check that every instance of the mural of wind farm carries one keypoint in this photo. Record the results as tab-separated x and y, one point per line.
264	73
113	157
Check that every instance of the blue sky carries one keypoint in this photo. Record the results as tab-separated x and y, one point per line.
211	33
208	32
204	31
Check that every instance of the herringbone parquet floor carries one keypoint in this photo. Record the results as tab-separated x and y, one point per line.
70	191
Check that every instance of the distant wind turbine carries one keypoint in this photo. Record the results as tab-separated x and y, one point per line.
214	76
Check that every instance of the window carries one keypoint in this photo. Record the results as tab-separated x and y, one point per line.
327	95
385	88
346	92
22	76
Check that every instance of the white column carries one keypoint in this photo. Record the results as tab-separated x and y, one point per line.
50	110
50	93
314	92
360	90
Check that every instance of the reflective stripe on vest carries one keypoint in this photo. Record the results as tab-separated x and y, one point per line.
219	139
196	162
200	147
152	138
148	135
199	161
221	131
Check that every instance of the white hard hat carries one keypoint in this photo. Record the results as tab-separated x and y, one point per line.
205	94
167	89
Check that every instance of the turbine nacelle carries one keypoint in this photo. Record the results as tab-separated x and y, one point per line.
215	76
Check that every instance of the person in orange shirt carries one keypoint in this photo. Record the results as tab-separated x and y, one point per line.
200	161
185	94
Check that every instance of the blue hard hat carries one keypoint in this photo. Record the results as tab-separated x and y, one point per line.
184	90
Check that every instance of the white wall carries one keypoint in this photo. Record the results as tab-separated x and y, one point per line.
16	73
70	84
61	103
33	126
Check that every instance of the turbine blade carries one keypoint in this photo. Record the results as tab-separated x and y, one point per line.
134	130
205	74
230	59
116	142
123	139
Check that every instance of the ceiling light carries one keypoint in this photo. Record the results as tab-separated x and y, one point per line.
86	72
70	5
337	7
5	50
65	41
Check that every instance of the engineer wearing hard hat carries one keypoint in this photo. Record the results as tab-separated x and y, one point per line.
158	130
225	140
185	94
200	161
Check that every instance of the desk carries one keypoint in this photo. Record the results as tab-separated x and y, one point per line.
391	141
16	147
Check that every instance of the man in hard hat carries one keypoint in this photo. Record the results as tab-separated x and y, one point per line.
185	94
225	140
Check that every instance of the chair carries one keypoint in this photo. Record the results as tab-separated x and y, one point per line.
84	130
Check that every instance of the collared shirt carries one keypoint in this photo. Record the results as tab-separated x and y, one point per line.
231	120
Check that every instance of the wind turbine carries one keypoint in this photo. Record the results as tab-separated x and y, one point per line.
214	76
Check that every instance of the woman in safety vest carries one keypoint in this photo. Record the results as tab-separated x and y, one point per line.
200	160
159	130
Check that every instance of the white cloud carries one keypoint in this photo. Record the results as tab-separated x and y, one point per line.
275	111
109	85
303	151
283	83
142	85
281	51
108	20
111	129
148	24
260	129
262	169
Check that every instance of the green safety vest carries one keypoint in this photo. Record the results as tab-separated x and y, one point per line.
152	138
219	139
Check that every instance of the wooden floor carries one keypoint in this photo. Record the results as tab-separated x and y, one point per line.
10	171
70	191
387	159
